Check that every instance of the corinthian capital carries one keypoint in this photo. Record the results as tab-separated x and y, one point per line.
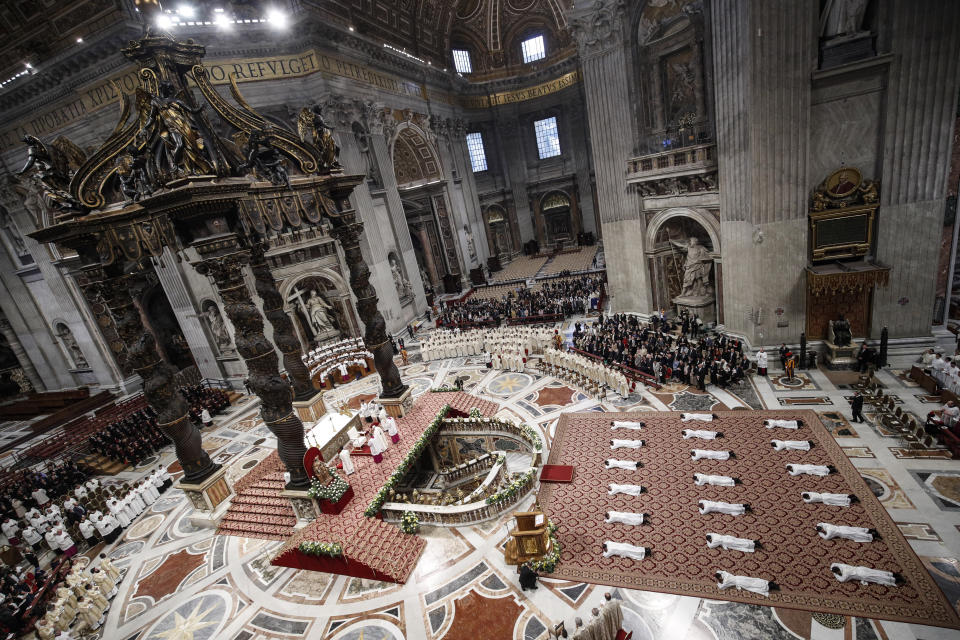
598	26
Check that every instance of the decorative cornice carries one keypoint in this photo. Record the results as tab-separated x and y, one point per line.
598	27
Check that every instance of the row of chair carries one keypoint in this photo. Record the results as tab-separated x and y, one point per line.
892	417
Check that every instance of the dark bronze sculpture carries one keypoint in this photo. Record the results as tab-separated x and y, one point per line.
263	157
841	332
171	129
313	129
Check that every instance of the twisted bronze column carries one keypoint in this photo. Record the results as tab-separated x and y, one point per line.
275	393
347	231
284	335
159	381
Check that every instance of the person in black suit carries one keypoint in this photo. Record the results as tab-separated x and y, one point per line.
856	405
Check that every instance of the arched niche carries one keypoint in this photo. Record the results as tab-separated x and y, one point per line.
415	160
327	318
557	219
499	237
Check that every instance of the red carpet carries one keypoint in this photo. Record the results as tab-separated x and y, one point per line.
793	555
556	473
372	548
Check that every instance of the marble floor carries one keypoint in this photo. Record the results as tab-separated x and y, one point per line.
189	584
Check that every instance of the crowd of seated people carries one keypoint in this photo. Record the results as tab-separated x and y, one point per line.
204	403
130	439
562	297
663	349
28	488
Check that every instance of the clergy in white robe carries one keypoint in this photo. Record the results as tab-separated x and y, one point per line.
613	463
829	531
701	479
729	508
810	469
629	489
731	543
624	550
701	434
626	424
831	499
626	444
791	445
725	580
375	450
624	517
346	461
706	454
782	424
392	430
380	438
700	417
847	572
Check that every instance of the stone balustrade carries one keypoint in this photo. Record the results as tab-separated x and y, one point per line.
686	170
488	425
449	477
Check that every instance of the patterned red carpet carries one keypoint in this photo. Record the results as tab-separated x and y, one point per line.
793	555
369	543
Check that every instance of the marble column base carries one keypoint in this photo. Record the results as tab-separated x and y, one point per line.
398	407
210	498
838	358
702	306
304	507
311	409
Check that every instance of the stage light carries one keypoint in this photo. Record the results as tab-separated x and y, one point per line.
186	10
79	40
277	18
350	28
222	21
164	21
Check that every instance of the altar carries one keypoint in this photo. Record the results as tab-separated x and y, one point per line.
329	434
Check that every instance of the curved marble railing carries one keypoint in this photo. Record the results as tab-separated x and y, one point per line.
522	433
449	477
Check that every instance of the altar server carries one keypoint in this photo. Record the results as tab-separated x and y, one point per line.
701	479
375	449
729	508
731	543
380	437
782	424
810	469
613	463
792	445
392	430
629	489
725	580
626	444
706	454
346	461
847	572
831	499
625	550
702	435
829	531
624	517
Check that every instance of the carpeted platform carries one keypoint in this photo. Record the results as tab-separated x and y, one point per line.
793	555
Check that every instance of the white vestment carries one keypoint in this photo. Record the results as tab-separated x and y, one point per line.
375	447
391	423
624	549
348	467
629	489
782	424
380	438
705	454
729	508
624	517
623	424
613	463
832	499
809	469
863	574
703	435
721	481
756	585
730	543
857	534
702	417
797	445
626	444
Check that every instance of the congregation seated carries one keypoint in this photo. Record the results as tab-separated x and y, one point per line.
562	297
131	439
655	348
337	356
203	400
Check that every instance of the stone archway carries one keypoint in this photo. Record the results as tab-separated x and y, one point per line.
683	254
415	160
319	305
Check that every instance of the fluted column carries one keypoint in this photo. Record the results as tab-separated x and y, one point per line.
347	231
275	393
284	335
159	381
28	369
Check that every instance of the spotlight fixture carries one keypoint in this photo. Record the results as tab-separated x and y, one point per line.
186	10
222	21
350	28
277	18
79	40
164	21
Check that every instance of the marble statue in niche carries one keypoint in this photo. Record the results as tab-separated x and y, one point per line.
318	311
221	335
696	268
471	245
76	353
404	289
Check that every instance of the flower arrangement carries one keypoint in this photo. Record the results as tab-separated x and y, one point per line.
513	488
532	437
332	491
331	549
548	563
409	522
407	463
474	413
444	389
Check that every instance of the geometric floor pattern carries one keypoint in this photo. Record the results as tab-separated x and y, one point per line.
236	594
791	553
